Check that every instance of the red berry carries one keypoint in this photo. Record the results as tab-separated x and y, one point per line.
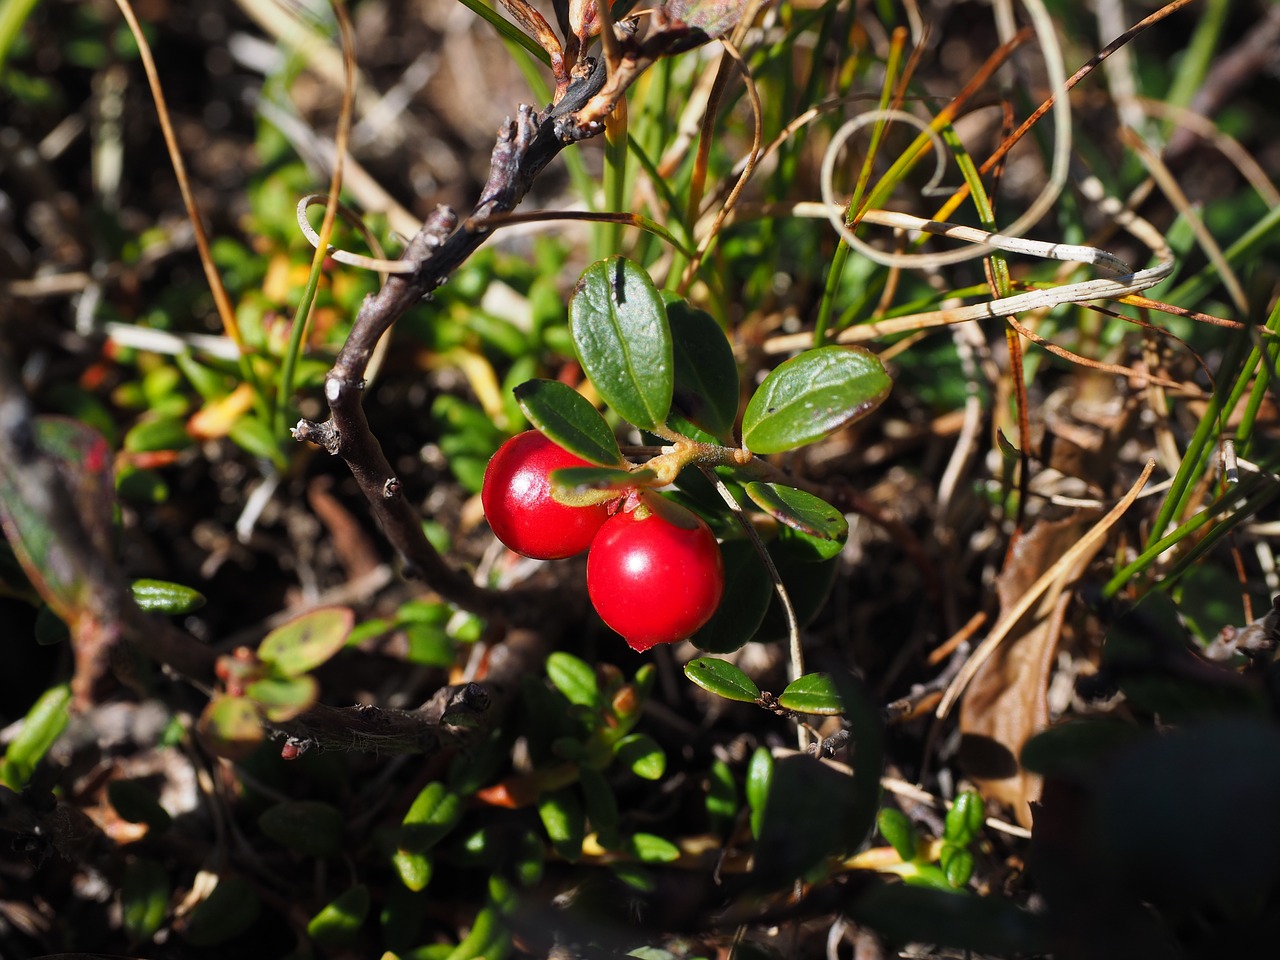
517	500
655	580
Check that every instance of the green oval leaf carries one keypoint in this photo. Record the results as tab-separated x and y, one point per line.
283	698
161	596
759	783
227	912
803	512
42	725
722	678
568	418
158	433
965	818
255	437
414	869
641	754
747	593
812	693
311	827
435	811
144	899
651	848
619	326
896	827
337	923
957	864
706	375
307	641
809	396
574	678
565	822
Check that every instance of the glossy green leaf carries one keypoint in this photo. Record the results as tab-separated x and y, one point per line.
706	375
579	486
226	913
42	725
574	678
144	899
283	698
487	939
650	848
434	812
568	418
812	395
965	818
759	783
158	433
805	513
311	827
620	329
338	923
413	869
722	678
565	822
956	863
641	754
747	594
138	804
161	596
896	827
813	693
306	642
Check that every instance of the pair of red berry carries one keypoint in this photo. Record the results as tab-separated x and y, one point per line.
654	573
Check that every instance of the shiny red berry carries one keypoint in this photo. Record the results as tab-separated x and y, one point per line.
657	579
517	500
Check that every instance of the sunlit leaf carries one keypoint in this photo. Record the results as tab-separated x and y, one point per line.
565	416
722	678
813	693
803	512
812	395
306	642
620	329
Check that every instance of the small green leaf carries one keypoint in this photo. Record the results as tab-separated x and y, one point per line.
306	642
311	827
565	823
435	811
144	899
283	698
802	511
158	433
338	922
137	804
255	437
641	754
812	693
414	869
226	913
582	486
574	678
957	864
722	678
650	848
759	784
568	418
747	594
211	384
706	375
896	827
42	725
161	596
619	325
812	395
965	818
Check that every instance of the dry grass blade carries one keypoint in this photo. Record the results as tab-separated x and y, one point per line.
1050	576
